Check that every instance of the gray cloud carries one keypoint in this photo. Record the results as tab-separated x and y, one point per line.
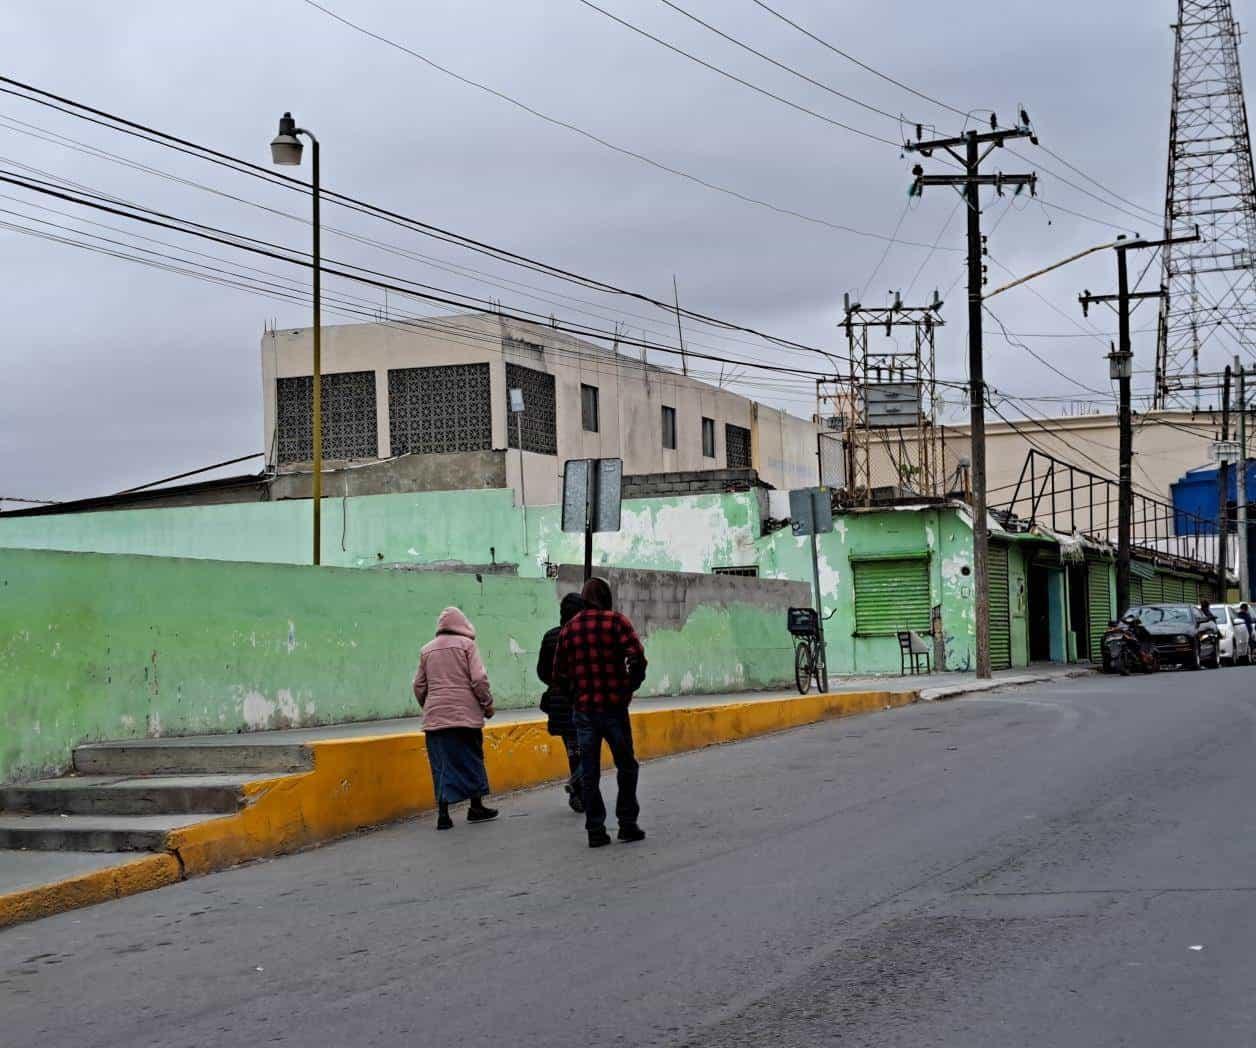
118	373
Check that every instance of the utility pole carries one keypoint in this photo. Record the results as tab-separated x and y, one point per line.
680	333
1242	538
971	181
1223	492
1121	368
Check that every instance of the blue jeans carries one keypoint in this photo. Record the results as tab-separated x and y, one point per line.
614	727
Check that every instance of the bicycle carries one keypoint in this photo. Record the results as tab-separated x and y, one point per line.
804	626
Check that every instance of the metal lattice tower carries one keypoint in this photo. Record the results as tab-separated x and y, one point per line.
1210	307
893	392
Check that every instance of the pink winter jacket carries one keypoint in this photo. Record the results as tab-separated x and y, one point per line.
451	683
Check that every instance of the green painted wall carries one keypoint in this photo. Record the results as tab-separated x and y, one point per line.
944	535
426	527
96	646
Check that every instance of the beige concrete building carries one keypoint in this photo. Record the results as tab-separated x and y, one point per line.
440	388
1166	445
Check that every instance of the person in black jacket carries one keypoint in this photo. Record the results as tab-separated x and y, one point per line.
557	704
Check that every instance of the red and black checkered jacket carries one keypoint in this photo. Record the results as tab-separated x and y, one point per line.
600	658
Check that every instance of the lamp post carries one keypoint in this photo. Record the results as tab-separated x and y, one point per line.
285	149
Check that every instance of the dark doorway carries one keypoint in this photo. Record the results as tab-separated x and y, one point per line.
1078	620
1039	615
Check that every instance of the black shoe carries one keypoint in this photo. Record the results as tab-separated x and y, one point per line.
629	832
444	822
599	838
576	801
481	814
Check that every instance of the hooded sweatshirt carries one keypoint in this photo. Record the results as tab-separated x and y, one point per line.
451	683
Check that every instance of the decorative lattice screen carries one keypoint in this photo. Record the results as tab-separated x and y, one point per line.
348	407
440	409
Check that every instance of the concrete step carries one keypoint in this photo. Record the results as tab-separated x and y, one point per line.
90	833
225	755
111	795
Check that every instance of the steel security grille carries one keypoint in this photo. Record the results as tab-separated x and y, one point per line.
349	430
749	571
539	420
437	410
892	595
1098	602
737	446
1000	608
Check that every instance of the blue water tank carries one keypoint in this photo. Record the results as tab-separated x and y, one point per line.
1195	495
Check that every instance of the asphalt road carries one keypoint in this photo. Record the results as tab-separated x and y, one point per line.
1072	864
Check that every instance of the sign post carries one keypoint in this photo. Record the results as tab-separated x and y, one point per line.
592	491
811	513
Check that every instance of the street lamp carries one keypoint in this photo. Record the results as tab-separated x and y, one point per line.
286	149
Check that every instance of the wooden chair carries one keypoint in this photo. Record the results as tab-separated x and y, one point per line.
912	647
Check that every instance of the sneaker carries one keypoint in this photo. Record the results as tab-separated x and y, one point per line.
481	814
630	832
599	838
444	822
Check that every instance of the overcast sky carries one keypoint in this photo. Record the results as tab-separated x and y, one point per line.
117	373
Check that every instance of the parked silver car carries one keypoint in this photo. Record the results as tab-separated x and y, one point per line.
1236	647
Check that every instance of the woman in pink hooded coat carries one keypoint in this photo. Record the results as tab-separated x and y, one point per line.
452	687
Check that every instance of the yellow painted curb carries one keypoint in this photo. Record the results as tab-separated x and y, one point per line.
364	781
112	882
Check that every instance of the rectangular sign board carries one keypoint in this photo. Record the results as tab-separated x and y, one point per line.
810	511
892	405
580	479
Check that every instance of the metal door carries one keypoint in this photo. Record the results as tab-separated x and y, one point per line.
1000	608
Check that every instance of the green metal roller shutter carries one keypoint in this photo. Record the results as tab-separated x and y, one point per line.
1190	588
1000	609
892	595
1098	602
1153	590
1136	593
1174	591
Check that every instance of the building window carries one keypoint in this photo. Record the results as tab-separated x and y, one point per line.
438	410
708	438
538	425
588	408
669	428
737	446
348	405
750	571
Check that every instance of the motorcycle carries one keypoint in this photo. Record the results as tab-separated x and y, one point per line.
1127	646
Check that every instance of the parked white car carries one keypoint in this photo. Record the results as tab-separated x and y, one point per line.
1236	647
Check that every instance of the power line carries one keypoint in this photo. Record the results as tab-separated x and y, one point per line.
1041	360
590	135
729	76
427	293
780	65
241	166
856	61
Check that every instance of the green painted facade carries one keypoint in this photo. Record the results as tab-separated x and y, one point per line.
114	646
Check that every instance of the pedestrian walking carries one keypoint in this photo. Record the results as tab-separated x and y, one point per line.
556	702
1244	615
600	661
452	687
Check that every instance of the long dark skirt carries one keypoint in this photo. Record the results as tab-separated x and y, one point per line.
456	756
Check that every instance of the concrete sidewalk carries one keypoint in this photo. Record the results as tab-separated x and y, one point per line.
291	789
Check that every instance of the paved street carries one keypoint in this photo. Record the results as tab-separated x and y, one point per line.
1065	864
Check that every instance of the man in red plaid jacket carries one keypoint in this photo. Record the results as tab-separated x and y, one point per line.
601	662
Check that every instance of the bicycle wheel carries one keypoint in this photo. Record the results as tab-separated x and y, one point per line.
804	667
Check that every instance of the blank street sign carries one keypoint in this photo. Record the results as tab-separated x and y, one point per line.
576	477
810	511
